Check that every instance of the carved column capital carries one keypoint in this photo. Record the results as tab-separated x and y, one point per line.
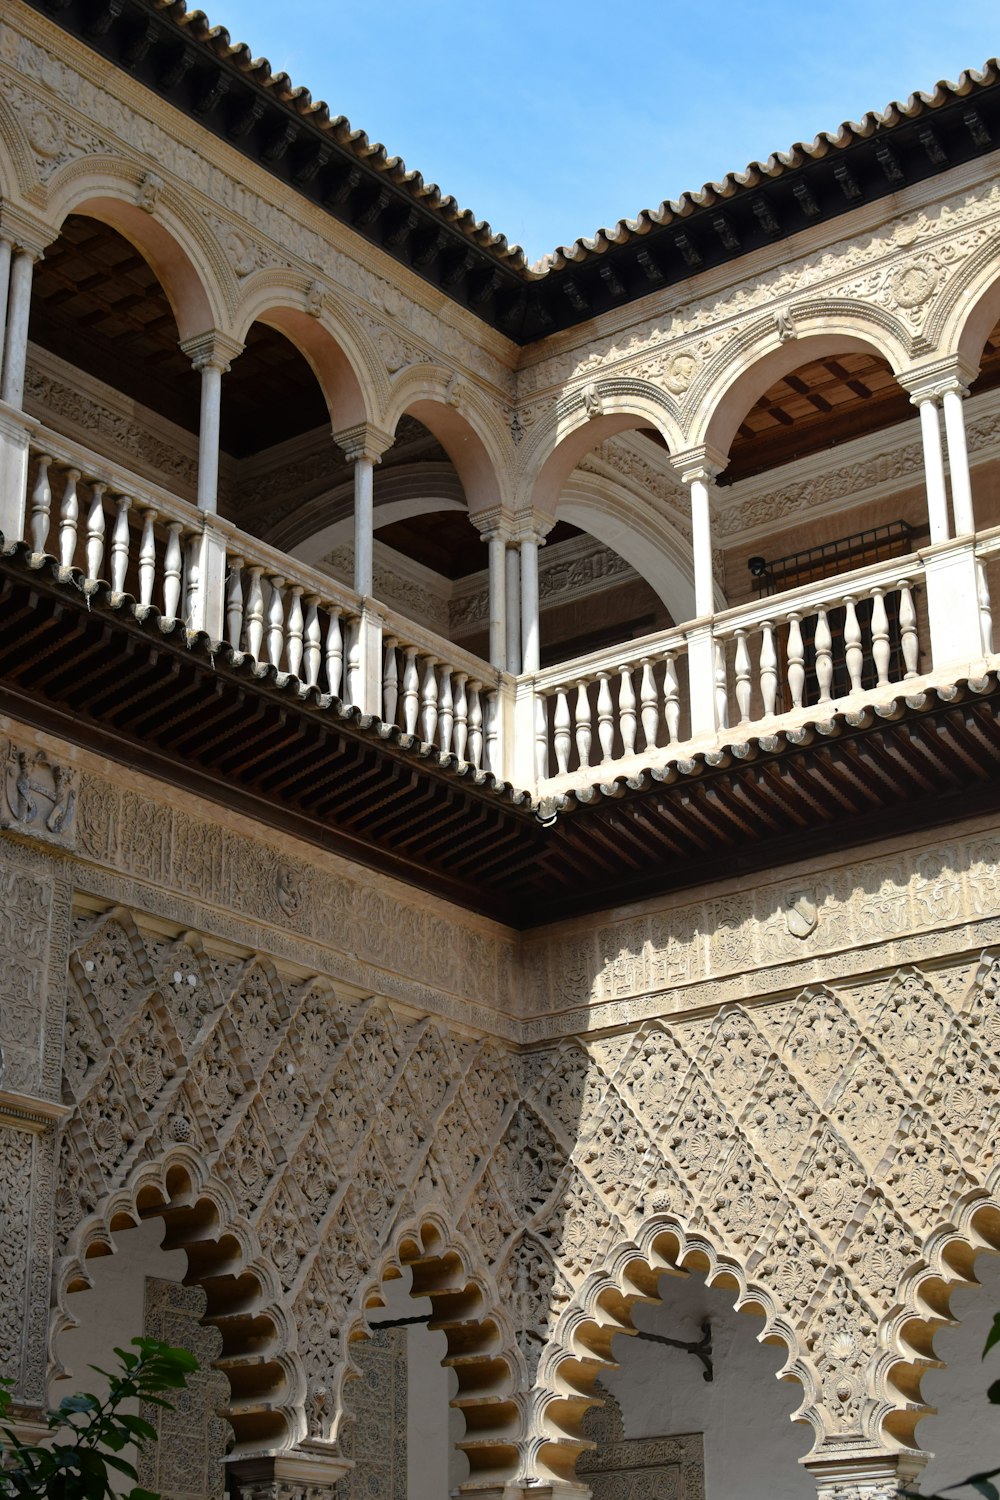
306	1473
703	463
497	521
930	382
212	350
364	441
27	234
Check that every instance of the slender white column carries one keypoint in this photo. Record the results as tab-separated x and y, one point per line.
6	252
364	523
16	339
937	500
530	643
208	439
701	540
958	461
513	610
498	599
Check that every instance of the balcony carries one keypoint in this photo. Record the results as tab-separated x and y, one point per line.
156	633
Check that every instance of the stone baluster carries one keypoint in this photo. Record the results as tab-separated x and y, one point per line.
173	562
824	655
492	745
721	687
584	725
648	706
69	518
626	710
671	699
312	654
880	636
853	650
255	614
908	626
96	524
147	554
276	622
460	733
796	660
562	739
985	615
768	668
296	633
191	580
390	680
428	702
446	710
743	678
605	717
120	542
411	691
475	725
334	653
41	505
541	737
354	663
234	603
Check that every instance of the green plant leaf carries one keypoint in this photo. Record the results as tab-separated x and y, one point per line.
79	1403
138	1427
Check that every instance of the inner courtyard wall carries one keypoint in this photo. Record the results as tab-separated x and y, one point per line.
788	1086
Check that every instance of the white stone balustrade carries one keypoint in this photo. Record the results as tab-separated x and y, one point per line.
441	695
612	705
807	648
852	639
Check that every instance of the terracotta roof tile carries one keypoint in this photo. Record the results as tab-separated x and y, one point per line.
374	154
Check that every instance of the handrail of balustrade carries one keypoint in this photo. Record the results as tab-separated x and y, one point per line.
144	493
407	633
630	653
821	594
254	553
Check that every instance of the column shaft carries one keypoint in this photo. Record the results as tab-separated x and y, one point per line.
6	252
958	463
208	441
498	601
701	539
364	515
530	644
937	500
513	610
16	340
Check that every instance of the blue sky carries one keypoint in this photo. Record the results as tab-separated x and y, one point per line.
553	119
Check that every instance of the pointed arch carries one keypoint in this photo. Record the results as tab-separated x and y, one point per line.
580	1347
244	1296
466	1308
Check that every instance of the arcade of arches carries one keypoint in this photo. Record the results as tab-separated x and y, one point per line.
686	1194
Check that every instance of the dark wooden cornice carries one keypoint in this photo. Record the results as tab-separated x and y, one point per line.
141	692
215	86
